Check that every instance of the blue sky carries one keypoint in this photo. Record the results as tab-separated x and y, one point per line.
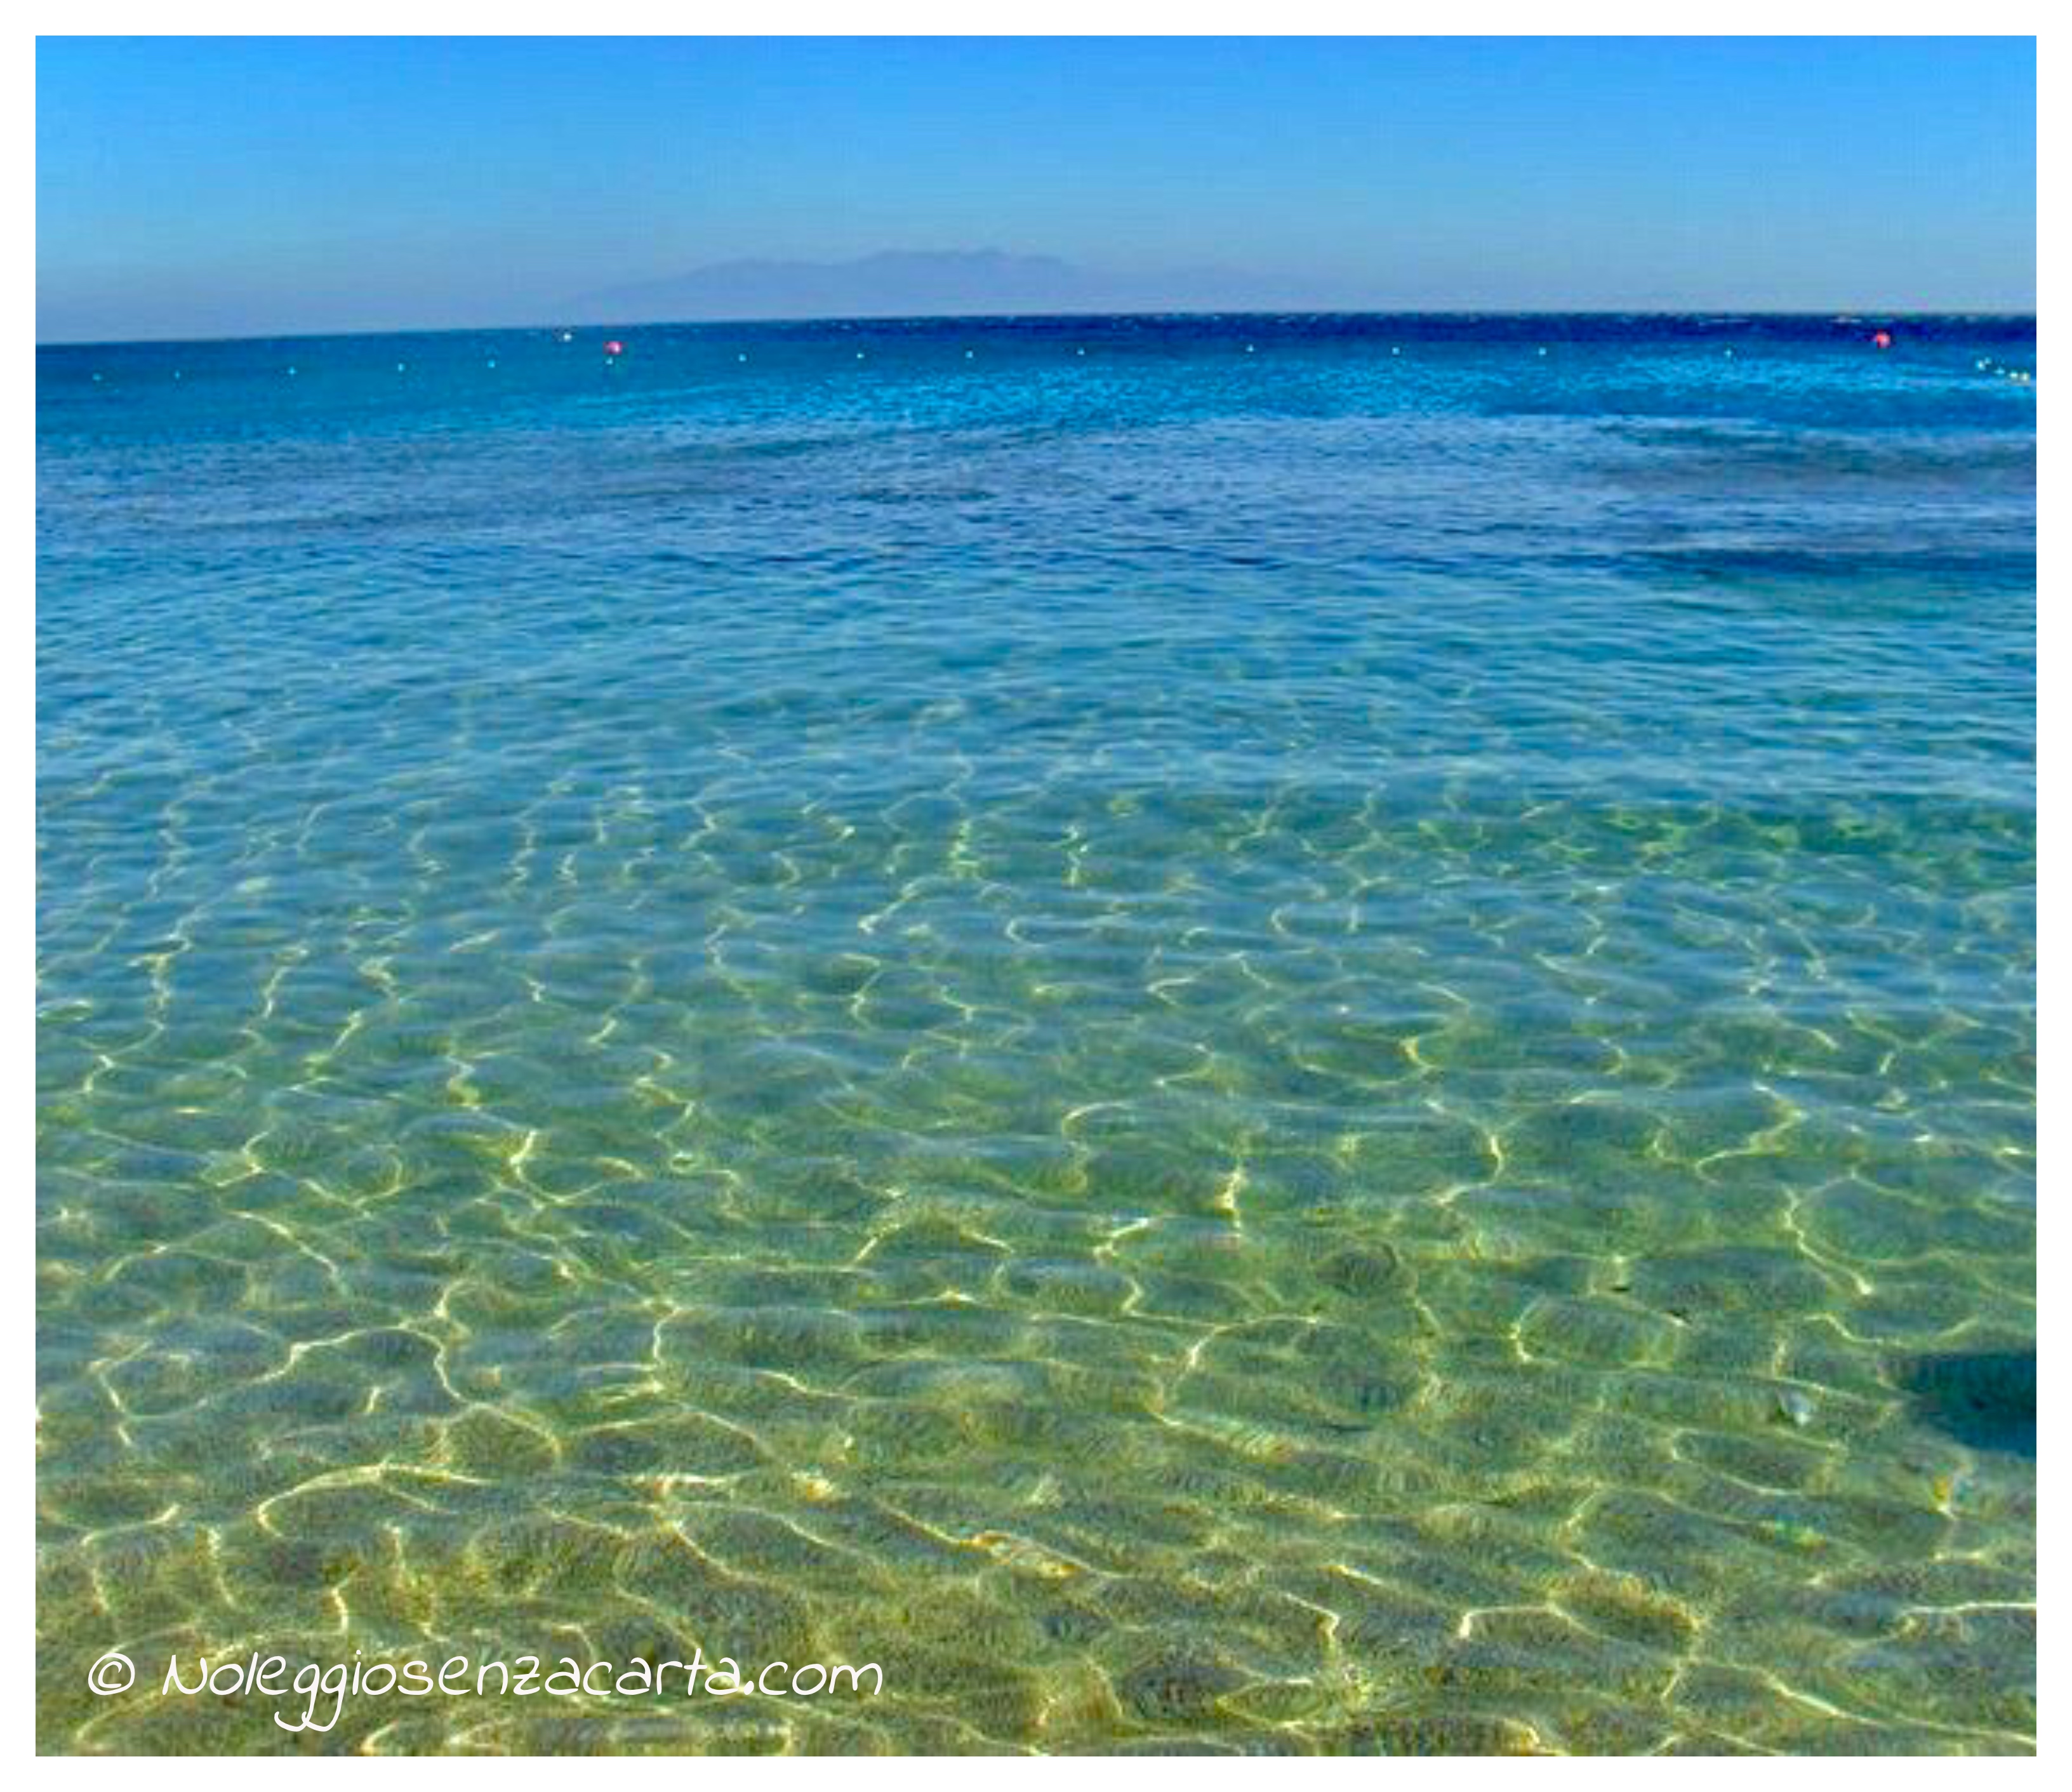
229	187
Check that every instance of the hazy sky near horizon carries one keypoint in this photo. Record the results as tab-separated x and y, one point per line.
229	187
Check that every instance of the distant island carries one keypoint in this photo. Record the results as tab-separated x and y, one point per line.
911	282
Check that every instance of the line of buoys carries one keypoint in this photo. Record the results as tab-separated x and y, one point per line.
2020	377
614	349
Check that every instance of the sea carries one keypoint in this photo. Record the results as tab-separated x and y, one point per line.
1266	1034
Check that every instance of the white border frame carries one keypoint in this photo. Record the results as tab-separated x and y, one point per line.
891	18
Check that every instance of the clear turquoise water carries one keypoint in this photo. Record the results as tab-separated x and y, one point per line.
1259	1034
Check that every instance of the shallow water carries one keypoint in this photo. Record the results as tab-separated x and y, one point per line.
1251	1034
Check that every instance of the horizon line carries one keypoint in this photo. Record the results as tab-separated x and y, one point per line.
1725	313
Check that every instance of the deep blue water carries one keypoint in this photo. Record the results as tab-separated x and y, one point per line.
1252	1033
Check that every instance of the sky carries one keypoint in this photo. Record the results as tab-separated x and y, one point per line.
239	187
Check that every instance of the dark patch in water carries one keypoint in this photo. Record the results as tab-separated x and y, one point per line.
1986	1399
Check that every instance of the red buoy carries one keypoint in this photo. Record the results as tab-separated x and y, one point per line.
615	348
1883	338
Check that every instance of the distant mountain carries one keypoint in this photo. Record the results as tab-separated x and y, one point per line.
913	283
